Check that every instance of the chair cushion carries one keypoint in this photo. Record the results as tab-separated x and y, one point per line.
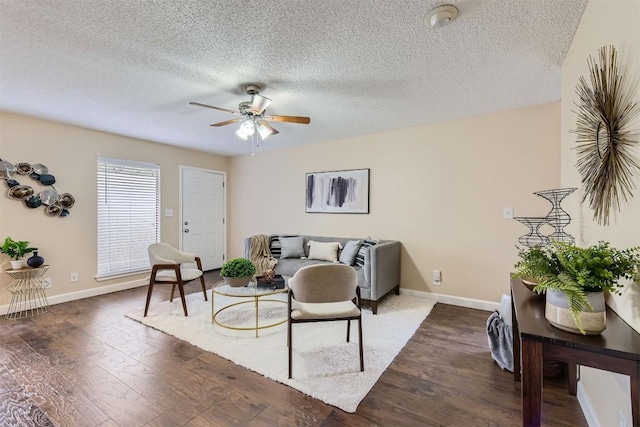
330	310
170	276
324	251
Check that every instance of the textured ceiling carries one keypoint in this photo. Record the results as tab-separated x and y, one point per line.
355	67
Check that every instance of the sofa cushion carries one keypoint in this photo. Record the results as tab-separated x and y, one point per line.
289	266
366	244
292	247
324	251
348	254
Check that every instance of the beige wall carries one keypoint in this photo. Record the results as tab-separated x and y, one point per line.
439	189
605	22
69	244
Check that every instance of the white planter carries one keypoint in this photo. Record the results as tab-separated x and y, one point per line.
17	265
559	315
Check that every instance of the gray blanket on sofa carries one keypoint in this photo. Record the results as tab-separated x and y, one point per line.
500	339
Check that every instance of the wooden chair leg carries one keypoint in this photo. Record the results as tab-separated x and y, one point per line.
184	301
348	329
361	350
204	288
146	307
289	339
173	289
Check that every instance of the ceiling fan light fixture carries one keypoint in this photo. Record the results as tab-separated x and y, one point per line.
241	134
441	16
264	131
248	127
259	104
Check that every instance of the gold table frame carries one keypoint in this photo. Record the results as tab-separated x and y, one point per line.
253	294
27	292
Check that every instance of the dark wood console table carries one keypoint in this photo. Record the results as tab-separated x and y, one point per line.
617	349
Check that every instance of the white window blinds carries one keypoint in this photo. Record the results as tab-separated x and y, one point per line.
128	215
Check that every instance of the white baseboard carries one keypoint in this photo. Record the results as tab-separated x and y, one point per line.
453	300
587	407
87	293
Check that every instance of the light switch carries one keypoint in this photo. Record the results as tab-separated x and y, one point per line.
507	213
437	277
168	212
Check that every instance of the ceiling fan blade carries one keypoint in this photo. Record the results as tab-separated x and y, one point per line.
259	103
228	122
215	108
290	119
268	126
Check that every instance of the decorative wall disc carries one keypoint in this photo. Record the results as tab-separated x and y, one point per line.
20	192
55	204
604	141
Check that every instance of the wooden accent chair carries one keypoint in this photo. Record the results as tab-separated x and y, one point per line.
166	268
322	293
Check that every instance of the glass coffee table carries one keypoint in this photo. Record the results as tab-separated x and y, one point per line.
250	294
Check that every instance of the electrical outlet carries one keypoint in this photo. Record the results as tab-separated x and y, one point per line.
437	277
74	277
48	283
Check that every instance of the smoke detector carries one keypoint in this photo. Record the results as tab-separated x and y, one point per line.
441	16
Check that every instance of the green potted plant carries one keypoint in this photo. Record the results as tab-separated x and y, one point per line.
574	280
16	249
238	272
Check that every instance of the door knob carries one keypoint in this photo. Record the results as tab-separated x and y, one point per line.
186	230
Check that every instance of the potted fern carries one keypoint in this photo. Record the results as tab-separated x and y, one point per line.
16	249
574	280
238	272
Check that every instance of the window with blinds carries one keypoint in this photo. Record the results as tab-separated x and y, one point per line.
128	215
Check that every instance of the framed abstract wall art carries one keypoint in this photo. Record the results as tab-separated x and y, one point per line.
337	192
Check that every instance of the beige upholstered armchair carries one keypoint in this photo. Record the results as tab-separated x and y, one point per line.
324	292
166	268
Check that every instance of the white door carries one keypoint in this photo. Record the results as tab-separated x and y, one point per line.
202	215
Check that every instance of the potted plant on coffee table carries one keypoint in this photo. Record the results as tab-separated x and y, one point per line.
238	272
16	249
574	280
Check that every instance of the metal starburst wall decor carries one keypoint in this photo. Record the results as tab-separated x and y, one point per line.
604	141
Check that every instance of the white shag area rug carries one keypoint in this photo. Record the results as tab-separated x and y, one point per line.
325	366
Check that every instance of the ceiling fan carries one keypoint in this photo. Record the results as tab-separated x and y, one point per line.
253	116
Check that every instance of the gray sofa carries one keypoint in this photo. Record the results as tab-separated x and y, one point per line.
379	276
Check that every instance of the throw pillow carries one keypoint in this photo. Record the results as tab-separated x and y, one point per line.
292	247
324	251
366	244
348	254
274	244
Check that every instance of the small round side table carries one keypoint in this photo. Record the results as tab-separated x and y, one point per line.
27	289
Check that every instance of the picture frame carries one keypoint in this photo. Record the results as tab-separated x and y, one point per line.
345	191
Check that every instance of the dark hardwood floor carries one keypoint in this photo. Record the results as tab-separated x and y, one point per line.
86	364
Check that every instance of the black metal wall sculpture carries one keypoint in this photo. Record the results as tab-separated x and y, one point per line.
604	141
56	204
